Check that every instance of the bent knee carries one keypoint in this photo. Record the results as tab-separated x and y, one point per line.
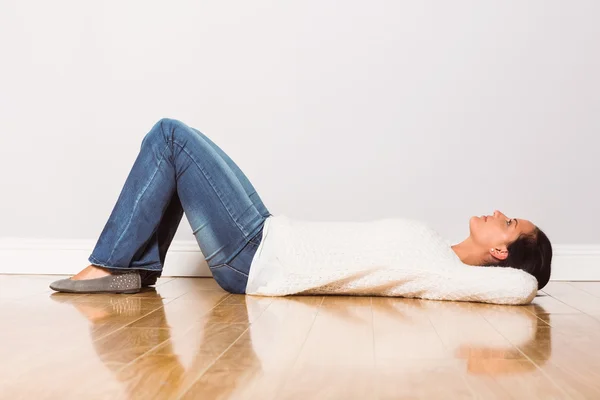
168	125
169	121
164	129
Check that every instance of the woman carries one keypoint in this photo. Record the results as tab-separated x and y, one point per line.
179	169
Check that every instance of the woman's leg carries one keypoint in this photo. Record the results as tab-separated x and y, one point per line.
178	170
250	190
162	238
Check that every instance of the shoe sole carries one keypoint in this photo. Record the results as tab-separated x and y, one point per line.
128	291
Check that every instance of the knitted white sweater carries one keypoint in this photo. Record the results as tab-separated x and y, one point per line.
384	257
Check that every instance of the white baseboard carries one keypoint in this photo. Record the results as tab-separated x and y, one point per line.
576	262
67	257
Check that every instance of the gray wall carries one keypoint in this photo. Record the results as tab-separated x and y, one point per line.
349	110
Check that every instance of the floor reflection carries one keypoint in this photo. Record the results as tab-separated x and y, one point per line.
225	351
485	336
144	360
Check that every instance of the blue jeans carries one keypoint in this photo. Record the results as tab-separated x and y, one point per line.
177	170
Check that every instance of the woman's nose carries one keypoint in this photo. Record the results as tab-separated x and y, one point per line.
497	213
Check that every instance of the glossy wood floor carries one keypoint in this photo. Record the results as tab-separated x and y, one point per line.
189	339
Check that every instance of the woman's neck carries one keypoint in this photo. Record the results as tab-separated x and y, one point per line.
468	252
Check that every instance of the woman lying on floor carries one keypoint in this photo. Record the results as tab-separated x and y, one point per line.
249	250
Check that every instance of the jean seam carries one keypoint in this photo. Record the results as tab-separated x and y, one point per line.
95	261
225	265
209	179
260	232
137	201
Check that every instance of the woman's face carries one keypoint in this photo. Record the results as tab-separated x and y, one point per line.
497	231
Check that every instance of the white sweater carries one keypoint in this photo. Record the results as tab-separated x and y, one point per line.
384	257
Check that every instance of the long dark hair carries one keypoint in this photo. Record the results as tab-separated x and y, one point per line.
532	253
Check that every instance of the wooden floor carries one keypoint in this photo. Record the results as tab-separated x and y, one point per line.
189	339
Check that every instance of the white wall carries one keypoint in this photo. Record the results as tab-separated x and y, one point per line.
349	110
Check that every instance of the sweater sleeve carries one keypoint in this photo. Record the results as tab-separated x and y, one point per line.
493	285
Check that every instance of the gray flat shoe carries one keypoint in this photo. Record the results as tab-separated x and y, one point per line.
129	282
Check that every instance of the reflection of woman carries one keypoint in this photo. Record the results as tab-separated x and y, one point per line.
486	337
527	336
144	360
180	169
146	364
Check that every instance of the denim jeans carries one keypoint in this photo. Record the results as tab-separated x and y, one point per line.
179	169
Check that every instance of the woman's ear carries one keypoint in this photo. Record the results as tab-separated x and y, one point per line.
499	253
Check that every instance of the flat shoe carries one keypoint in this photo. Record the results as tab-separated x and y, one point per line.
129	282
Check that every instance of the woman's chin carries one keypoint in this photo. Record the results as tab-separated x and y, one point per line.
475	220
475	223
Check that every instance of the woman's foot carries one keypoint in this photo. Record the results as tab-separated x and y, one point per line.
91	272
94	271
95	279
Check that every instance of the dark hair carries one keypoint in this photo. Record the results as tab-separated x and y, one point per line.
532	253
